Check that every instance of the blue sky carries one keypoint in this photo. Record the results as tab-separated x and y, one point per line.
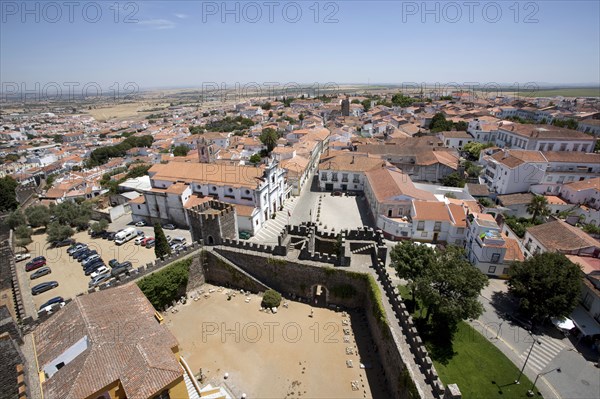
186	43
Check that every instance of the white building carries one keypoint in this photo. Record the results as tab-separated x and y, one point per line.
257	191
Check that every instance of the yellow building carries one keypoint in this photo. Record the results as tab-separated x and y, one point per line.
109	345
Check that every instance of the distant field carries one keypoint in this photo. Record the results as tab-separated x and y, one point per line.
125	111
564	92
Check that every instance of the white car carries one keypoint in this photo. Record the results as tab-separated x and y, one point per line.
20	257
139	240
99	279
176	247
101	270
140	223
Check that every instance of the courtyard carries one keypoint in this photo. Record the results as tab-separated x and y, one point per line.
301	351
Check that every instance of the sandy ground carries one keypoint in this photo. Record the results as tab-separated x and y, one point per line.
68	271
287	354
135	110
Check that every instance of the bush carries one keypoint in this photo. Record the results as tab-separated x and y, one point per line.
271	299
165	286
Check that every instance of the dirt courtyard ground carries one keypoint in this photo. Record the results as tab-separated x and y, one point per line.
283	355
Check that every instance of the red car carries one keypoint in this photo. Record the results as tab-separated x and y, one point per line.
145	241
35	264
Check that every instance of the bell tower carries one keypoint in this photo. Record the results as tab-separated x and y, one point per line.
205	151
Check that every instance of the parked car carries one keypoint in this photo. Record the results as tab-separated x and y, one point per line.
76	248
99	279
139	240
176	247
113	262
169	226
93	267
56	299
179	240
20	257
51	308
111	236
100	270
121	268
97	234
150	243
89	269
84	255
63	243
43	287
38	258
145	241
169	238
140	233
92	258
42	271
80	251
140	223
35	264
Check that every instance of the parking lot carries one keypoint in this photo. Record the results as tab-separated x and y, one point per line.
69	273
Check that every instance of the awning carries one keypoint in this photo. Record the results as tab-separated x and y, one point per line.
563	323
586	324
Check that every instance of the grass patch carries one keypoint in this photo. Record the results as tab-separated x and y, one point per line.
468	359
480	369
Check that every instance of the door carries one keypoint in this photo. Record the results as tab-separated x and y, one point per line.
435	237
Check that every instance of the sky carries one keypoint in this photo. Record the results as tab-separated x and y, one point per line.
159	44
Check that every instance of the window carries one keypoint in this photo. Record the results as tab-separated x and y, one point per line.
323	176
424	234
505	271
421	225
344	177
460	230
389	213
437	226
492	270
495	258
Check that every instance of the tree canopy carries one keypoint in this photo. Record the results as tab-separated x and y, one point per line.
538	207
161	246
473	149
23	235
410	259
181	150
15	219
547	284
453	180
58	232
38	215
101	155
269	138
8	195
442	280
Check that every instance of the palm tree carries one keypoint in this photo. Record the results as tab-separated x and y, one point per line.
538	207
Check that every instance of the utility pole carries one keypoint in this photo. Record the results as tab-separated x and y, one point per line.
535	341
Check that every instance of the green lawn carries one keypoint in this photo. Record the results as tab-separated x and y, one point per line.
476	365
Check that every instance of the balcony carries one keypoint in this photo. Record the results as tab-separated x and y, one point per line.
344	180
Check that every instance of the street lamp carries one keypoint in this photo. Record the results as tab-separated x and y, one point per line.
530	392
535	341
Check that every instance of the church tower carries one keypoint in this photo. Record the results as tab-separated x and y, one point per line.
205	151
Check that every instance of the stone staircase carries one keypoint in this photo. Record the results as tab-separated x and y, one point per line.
365	248
272	228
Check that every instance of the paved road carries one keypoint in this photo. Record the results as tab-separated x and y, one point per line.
578	379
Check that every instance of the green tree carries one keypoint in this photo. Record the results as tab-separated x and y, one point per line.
401	100
473	149
538	207
411	259
366	104
38	215
271	299
73	214
255	158
167	285
58	232
15	219
269	138
23	235
266	106
548	285
99	226
49	182
453	180
450	288
181	150
270	114
8	195
161	246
